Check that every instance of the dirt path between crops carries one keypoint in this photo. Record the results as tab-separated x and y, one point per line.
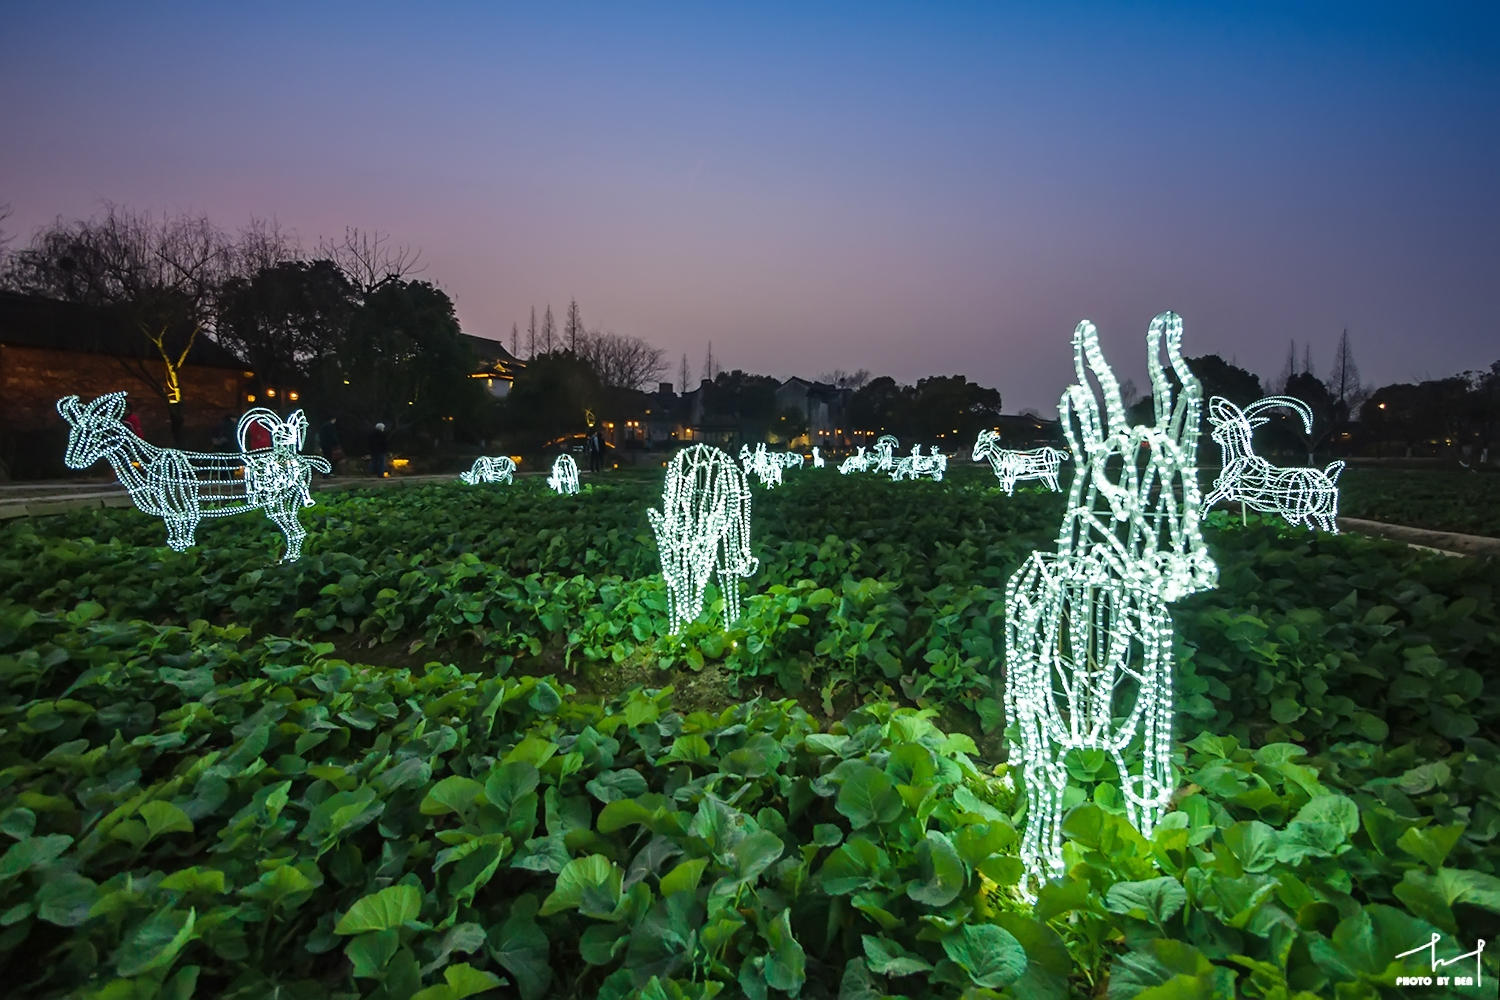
1450	542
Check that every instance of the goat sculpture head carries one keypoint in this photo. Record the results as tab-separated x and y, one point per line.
1134	502
94	428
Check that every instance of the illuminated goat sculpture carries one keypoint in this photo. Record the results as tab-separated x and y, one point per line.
817	459
789	459
885	450
1302	496
762	463
858	462
1088	627
183	487
490	470
703	527
916	465
1013	466
564	477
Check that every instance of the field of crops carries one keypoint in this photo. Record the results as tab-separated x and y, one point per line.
1467	502
453	750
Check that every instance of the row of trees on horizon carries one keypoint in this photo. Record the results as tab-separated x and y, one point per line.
352	326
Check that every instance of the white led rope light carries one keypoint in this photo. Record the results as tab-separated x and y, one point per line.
183	487
761	463
818	462
703	526
1301	496
1089	622
916	465
490	470
885	449
564	478
858	462
1012	467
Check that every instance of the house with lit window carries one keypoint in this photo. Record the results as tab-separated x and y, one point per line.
497	366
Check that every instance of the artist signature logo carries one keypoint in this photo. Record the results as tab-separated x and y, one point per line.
1430	947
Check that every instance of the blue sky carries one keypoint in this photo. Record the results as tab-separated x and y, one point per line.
912	188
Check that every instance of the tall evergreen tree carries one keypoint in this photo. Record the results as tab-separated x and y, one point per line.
531	335
710	366
1343	380
549	331
683	374
515	341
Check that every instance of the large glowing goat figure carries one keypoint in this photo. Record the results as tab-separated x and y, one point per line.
885	450
183	487
1302	496
916	465
703	526
490	470
762	463
1087	628
1013	466
564	477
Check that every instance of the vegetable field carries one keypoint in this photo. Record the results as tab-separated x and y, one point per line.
1466	502
452	752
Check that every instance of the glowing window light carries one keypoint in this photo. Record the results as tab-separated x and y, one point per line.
858	462
818	462
1013	466
703	526
916	465
1301	496
1084	621
564	477
761	463
490	470
183	487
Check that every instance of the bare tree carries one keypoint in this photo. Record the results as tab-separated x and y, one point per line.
710	366
1343	380
549	331
1288	369
846	380
622	362
683	374
531	335
573	328
261	244
163	274
515	341
369	260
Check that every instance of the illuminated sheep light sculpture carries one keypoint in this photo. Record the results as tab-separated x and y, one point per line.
789	459
564	477
1012	467
761	463
817	459
1088	625
490	470
703	527
916	465
1301	496
183	487
858	462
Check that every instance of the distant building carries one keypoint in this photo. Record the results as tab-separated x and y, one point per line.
497	366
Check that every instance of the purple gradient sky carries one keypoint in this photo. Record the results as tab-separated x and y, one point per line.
916	189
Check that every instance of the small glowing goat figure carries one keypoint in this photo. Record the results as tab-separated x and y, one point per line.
1088	627
183	487
490	470
885	448
564	478
1302	496
818	462
789	460
1013	466
916	465
858	462
703	526
763	464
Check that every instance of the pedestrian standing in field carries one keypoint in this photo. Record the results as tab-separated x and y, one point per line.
379	444
224	435
596	451
328	443
133	420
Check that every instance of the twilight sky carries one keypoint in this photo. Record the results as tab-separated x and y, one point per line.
912	188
